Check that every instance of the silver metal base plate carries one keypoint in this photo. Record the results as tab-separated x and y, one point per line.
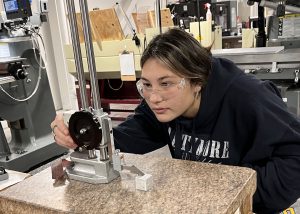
92	171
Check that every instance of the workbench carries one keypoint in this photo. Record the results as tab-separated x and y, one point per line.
179	187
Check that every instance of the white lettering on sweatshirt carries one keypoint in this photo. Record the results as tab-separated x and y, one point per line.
205	148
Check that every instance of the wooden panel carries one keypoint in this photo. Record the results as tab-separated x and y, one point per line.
141	21
80	29
147	20
106	25
79	26
166	19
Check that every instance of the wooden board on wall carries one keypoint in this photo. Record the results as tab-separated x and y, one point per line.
80	29
166	18
105	26
141	21
147	20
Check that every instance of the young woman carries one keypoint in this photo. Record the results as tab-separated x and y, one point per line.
206	109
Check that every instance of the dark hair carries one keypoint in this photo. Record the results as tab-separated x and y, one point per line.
182	54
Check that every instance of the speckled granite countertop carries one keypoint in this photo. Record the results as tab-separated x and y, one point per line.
179	187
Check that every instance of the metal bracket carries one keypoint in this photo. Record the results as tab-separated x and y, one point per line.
296	76
274	68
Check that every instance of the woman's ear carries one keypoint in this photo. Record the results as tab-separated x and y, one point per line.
198	88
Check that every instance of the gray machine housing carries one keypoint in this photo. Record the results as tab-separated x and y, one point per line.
29	121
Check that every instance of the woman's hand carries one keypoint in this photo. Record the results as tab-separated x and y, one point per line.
61	133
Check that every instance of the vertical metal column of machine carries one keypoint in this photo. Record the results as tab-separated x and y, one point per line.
91	129
77	53
158	16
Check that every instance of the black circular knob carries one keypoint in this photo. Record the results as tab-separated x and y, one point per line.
85	130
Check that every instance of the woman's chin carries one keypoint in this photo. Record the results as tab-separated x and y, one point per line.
164	118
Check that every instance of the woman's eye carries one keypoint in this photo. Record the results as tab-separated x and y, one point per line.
165	84
147	85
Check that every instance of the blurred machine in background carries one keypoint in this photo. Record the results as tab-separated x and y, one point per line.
282	26
281	63
185	12
285	30
225	15
25	97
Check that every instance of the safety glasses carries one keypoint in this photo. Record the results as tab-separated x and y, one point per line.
165	89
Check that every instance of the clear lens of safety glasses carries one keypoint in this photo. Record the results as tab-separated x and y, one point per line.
139	86
163	90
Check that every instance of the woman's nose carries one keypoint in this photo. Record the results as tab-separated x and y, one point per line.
155	97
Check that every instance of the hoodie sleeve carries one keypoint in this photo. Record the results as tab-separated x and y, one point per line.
275	150
140	133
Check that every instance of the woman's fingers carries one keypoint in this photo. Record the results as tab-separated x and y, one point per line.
61	133
65	141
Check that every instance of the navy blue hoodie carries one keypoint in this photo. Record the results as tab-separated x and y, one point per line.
241	121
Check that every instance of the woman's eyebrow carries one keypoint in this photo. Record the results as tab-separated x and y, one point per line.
143	78
159	79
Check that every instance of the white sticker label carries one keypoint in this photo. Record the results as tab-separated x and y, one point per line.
127	64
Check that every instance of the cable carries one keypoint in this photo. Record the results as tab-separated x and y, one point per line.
36	43
35	54
115	89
